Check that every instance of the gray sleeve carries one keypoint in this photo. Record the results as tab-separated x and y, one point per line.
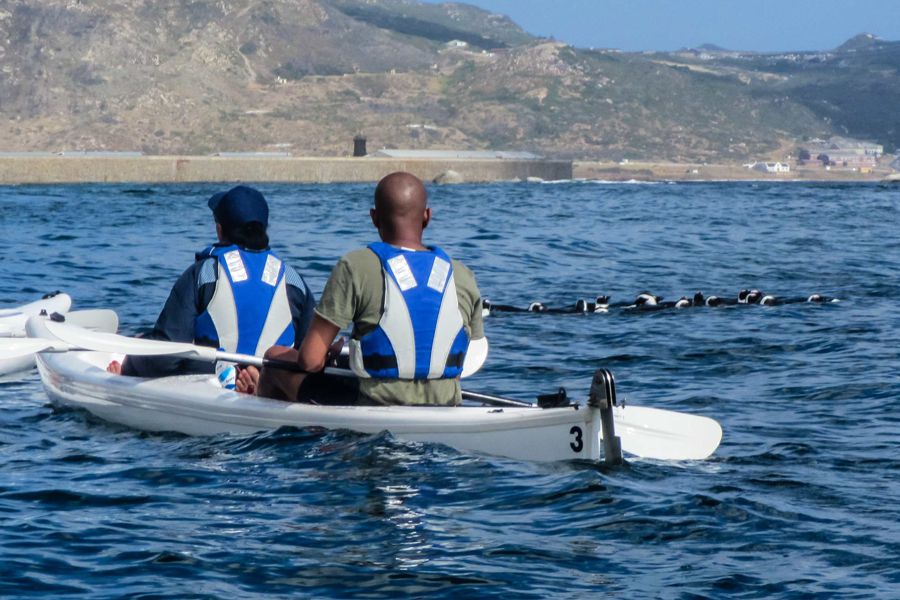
302	302
175	324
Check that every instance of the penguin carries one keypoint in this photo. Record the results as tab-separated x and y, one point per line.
647	299
536	307
485	308
749	296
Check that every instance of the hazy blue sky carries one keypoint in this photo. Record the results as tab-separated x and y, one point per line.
760	25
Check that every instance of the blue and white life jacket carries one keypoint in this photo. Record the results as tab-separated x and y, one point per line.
249	311
421	333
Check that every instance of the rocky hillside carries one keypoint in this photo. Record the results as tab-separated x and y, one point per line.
304	76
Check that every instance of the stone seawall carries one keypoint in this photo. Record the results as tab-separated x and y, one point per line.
189	169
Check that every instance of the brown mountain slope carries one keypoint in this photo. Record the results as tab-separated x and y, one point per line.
306	75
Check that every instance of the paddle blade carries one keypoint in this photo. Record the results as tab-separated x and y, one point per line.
17	347
475	356
95	319
117	344
665	434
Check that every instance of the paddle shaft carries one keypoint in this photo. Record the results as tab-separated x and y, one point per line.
274	363
493	400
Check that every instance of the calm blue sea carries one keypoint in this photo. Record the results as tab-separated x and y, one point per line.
801	500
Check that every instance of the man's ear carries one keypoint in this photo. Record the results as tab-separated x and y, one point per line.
373	214
426	218
219	234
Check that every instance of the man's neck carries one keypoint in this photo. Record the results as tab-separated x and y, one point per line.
405	242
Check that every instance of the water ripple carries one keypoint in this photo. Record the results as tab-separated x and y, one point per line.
800	500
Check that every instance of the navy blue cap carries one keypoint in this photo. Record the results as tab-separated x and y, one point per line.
239	205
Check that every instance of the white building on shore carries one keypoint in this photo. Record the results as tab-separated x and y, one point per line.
770	167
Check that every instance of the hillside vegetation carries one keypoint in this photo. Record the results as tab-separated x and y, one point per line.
305	76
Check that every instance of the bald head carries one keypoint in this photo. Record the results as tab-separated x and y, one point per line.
401	210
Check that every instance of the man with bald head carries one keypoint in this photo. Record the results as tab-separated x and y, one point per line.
413	311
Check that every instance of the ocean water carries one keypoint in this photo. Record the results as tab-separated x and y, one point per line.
801	500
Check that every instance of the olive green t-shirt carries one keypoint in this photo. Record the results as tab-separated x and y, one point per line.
354	294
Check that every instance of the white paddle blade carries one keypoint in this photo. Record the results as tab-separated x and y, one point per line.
475	356
96	319
16	347
665	434
117	344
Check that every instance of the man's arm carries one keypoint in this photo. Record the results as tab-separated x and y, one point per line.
285	385
316	344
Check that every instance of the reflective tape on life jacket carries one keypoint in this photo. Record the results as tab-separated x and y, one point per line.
249	311
421	333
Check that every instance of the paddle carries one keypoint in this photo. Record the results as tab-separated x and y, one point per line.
97	319
73	338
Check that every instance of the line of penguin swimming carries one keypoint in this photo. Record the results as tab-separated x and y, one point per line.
647	302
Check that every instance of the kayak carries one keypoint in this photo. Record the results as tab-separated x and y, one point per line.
12	320
91	319
12	324
199	405
73	372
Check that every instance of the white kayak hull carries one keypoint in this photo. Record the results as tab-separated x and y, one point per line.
12	320
197	405
12	324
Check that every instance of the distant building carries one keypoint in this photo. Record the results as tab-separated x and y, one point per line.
770	167
895	165
454	154
847	152
457	44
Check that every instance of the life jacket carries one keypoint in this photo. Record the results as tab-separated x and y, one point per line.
249	311
421	333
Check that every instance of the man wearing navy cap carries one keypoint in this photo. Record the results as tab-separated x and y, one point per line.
238	296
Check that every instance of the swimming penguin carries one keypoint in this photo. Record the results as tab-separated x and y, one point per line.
537	307
714	301
485	308
768	300
749	296
684	302
647	299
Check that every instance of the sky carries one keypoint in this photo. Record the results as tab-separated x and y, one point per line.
757	25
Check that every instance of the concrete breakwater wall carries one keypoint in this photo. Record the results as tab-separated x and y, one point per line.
187	169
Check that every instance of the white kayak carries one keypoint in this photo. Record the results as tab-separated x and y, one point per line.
198	405
92	319
12	320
